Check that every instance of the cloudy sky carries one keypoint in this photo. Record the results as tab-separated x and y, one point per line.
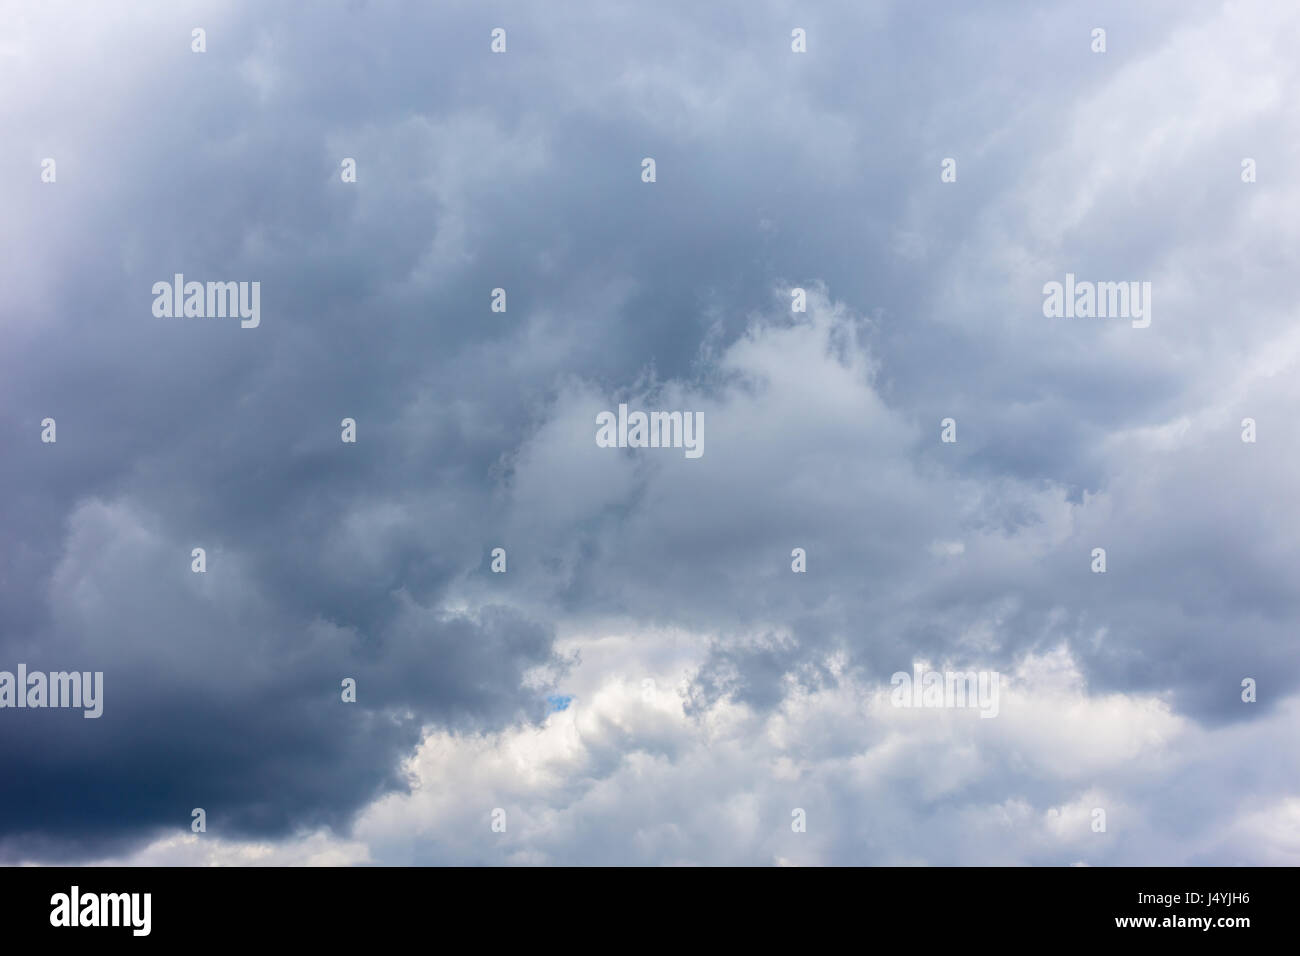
650	682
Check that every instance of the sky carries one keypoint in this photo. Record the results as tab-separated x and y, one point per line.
650	681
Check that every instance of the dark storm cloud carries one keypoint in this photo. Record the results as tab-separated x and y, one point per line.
522	171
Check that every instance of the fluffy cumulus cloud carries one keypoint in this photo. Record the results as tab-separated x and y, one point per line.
649	681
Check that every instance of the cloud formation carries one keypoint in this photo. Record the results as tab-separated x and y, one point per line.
775	171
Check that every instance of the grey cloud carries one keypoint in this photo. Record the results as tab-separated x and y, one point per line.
521	171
